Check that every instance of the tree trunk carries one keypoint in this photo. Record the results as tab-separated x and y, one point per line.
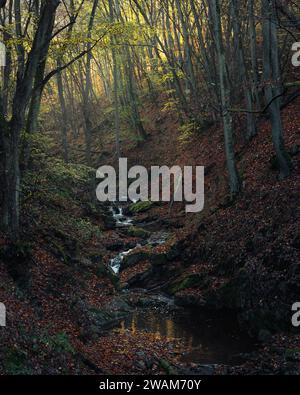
251	121
88	87
64	118
234	180
25	77
271	81
116	84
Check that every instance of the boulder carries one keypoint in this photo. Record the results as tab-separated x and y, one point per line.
134	231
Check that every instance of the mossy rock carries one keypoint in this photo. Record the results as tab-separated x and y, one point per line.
138	232
188	282
140	207
134	258
103	319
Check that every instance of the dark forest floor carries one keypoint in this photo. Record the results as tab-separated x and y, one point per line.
242	256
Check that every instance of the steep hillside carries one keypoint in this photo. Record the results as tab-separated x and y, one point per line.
240	255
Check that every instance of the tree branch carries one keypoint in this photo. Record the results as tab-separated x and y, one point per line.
61	68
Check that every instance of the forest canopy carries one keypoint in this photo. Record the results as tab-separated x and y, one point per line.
75	64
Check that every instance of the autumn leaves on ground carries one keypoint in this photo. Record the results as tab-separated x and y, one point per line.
163	82
63	303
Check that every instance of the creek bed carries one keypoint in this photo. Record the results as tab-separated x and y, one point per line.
206	339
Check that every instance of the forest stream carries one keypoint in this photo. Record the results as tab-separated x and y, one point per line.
207	338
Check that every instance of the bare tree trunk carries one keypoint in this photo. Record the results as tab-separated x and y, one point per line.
116	85
251	121
64	117
133	99
34	110
25	78
253	49
271	81
187	49
234	180
88	87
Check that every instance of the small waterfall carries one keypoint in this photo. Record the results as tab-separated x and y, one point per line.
116	262
119	217
156	238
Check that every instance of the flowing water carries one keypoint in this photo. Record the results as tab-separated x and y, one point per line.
207	339
116	262
121	221
119	217
156	238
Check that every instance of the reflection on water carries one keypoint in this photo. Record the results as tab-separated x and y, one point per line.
205	339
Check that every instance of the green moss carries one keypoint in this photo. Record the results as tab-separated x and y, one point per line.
188	282
59	343
138	232
140	207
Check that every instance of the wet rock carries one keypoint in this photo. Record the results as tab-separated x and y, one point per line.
134	258
189	300
191	281
158	238
158	275
94	321
118	304
134	231
139	280
155	301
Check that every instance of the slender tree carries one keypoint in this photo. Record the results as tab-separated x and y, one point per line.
234	180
